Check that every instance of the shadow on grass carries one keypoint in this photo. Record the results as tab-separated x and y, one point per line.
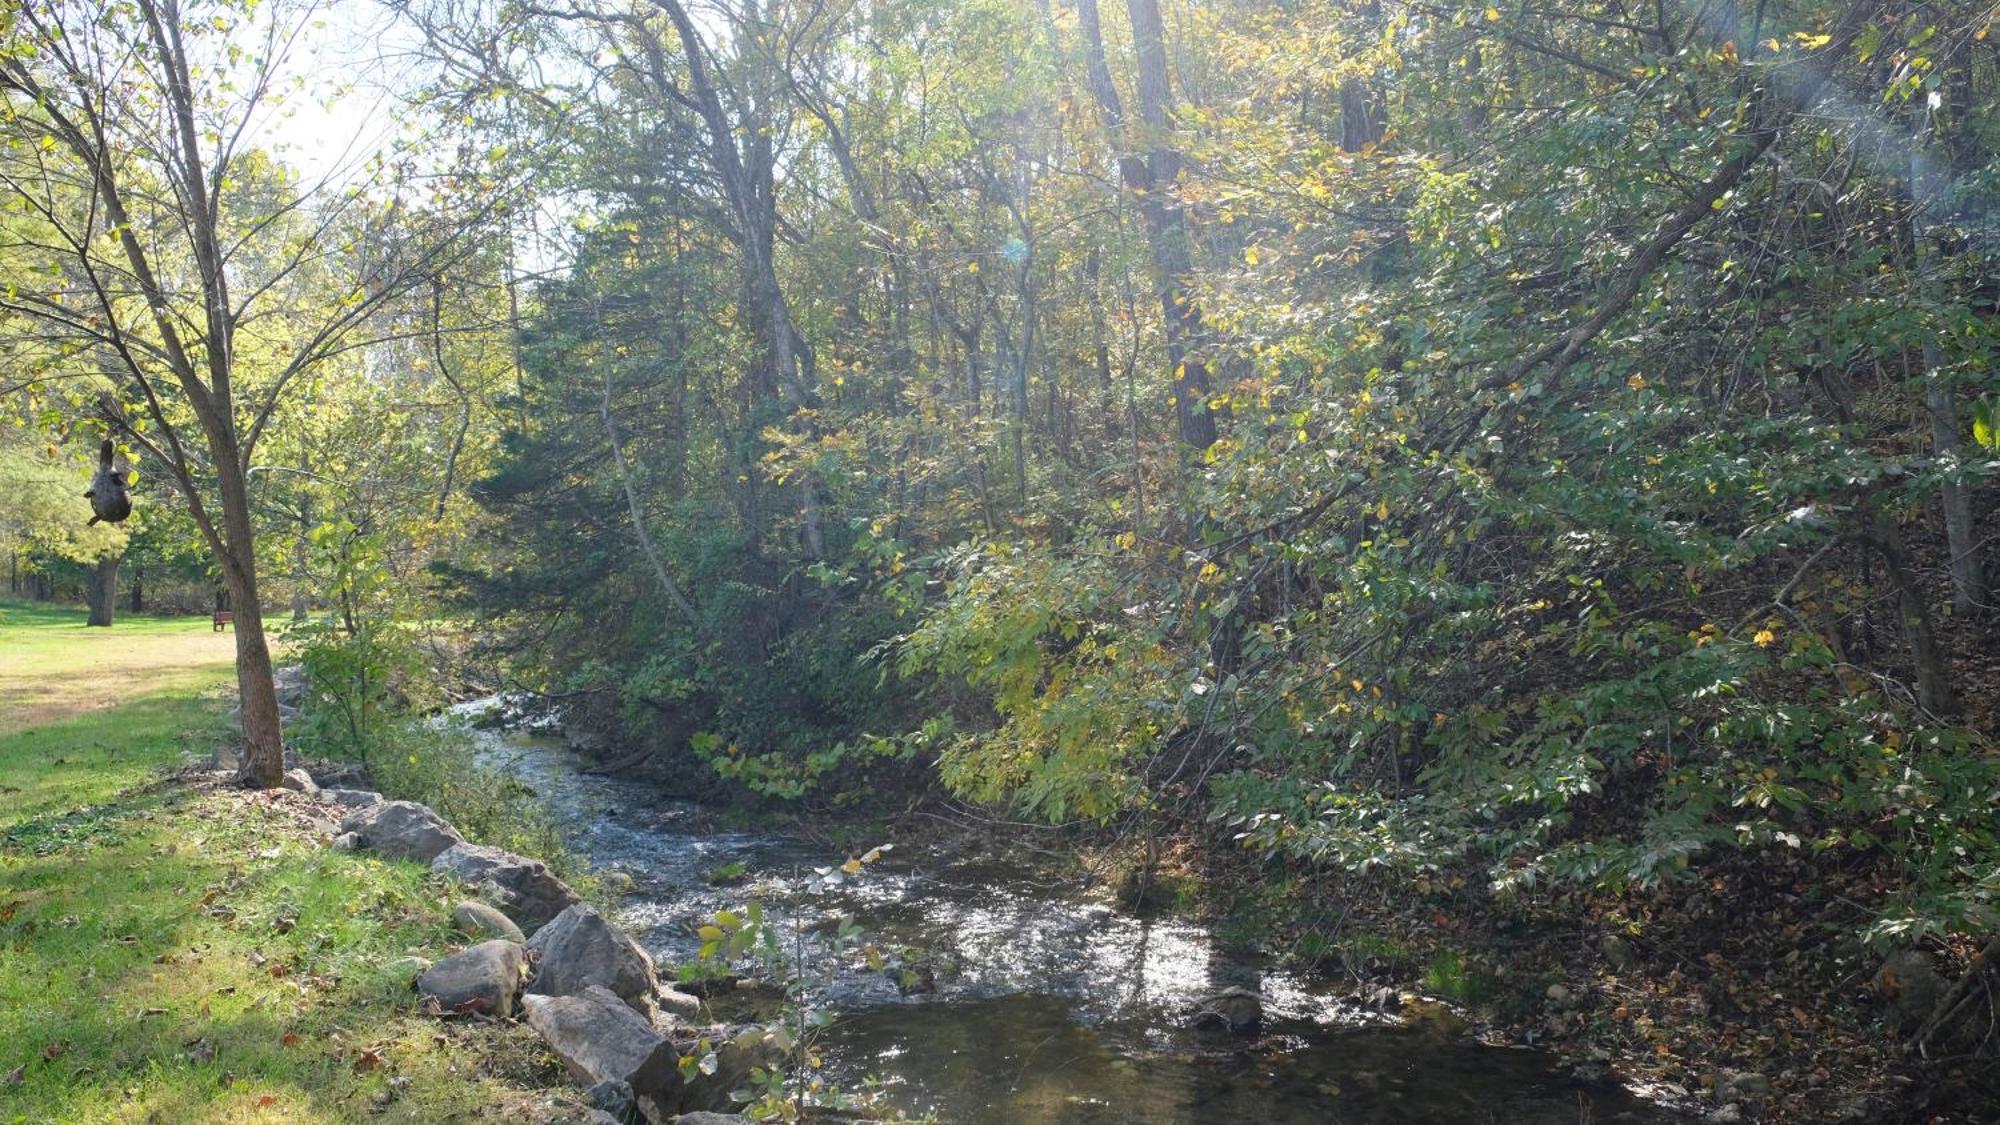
70	765
204	959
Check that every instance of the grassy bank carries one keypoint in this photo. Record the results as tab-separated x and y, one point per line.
174	949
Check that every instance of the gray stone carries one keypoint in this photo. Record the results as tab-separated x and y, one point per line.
599	1039
614	1097
347	842
704	1117
523	888
351	798
484	980
677	1003
1731	1114
299	781
578	948
1741	1085
1908	980
478	920
1619	953
599	1117
402	830
1237	1009
290	683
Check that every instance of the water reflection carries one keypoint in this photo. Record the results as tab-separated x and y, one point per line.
1025	1059
1048	1008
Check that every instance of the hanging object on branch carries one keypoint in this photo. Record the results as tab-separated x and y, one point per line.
109	496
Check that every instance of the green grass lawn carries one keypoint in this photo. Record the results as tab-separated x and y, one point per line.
173	949
53	666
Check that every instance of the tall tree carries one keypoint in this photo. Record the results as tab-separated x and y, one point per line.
169	242
1151	166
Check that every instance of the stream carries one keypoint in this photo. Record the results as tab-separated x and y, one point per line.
1049	1008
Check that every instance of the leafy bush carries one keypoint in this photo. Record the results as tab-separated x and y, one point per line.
419	760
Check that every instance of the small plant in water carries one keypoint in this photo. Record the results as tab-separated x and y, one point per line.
725	874
779	1060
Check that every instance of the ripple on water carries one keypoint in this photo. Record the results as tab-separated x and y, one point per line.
1052	1009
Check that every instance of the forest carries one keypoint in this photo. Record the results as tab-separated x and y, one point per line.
1492	501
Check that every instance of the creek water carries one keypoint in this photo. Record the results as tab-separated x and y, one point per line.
1049	1008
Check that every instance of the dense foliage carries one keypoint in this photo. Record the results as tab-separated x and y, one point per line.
1409	435
1548	444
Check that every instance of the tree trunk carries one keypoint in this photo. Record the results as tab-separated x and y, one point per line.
263	762
101	589
1927	660
1968	579
1153	179
667	584
301	551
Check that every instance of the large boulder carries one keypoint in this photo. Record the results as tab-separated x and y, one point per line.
523	888
479	921
601	1040
484	980
351	798
578	949
402	830
299	781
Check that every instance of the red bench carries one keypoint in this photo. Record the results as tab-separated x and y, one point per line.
224	620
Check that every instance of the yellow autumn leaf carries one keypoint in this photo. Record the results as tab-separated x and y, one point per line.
1492	14
1764	638
1637	382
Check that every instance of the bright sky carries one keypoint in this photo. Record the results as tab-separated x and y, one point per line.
358	63
352	60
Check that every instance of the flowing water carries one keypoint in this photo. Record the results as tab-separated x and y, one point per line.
1048	1008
